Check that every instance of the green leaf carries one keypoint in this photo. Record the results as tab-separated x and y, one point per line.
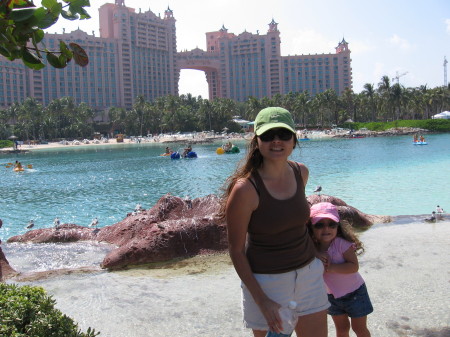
84	14
30	57
47	21
68	15
20	15
55	61
38	35
49	3
34	66
5	52
65	51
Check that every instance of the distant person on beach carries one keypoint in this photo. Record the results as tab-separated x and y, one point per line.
337	246
266	212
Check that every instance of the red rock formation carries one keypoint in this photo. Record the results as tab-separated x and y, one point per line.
348	213
6	271
173	228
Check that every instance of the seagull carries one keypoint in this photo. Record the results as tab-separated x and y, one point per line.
30	224
138	208
318	189
94	223
432	218
56	222
439	209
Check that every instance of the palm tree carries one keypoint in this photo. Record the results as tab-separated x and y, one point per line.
369	91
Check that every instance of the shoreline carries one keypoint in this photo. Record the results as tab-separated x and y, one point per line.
202	137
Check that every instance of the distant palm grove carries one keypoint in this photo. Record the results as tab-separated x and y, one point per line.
63	118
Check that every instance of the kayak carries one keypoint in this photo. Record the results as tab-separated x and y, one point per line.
420	143
18	169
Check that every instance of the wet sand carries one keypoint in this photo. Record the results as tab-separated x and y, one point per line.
406	268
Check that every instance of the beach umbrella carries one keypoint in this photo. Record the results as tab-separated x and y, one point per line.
12	137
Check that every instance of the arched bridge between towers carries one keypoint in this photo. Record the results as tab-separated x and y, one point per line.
201	60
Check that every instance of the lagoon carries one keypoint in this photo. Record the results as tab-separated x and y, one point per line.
379	175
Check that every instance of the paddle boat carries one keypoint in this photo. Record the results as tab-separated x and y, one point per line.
227	148
189	155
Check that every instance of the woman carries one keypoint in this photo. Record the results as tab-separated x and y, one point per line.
266	212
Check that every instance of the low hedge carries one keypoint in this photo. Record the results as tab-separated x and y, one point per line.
434	125
28	311
6	143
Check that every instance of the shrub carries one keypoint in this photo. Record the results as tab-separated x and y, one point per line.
434	125
29	311
6	143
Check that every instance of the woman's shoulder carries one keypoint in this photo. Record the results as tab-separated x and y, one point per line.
302	169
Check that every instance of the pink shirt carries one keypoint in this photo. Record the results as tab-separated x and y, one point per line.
341	284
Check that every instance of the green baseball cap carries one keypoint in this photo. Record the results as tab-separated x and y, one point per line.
273	117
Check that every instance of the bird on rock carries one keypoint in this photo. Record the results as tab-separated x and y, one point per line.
94	223
318	189
56	222
432	218
30	224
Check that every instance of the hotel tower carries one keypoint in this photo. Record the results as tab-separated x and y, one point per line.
136	54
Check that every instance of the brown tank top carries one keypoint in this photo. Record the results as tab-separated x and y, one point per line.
278	239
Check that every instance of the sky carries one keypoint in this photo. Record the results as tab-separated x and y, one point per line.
409	38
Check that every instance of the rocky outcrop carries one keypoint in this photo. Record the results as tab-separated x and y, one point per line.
173	228
6	271
348	213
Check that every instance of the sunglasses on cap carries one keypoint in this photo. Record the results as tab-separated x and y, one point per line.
281	133
321	225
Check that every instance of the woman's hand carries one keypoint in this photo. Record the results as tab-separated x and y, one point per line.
271	311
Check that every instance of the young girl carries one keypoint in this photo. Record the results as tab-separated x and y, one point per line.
337	246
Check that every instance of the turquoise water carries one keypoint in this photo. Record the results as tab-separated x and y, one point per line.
381	175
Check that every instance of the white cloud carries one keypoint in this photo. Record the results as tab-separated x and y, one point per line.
305	41
399	42
361	47
447	23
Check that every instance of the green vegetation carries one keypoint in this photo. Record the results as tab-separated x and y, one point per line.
385	106
22	27
435	125
6	143
28	311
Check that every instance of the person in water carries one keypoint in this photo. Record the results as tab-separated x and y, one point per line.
168	150
266	213
337	246
227	146
18	165
187	150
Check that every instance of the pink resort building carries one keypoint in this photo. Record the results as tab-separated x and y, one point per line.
136	54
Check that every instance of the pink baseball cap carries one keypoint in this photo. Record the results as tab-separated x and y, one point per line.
324	210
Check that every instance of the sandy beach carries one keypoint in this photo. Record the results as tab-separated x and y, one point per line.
405	266
194	138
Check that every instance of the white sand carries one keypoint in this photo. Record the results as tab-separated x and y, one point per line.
406	268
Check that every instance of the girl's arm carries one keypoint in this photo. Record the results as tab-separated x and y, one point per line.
350	265
243	200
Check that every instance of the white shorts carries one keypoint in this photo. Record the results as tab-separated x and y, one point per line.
304	286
